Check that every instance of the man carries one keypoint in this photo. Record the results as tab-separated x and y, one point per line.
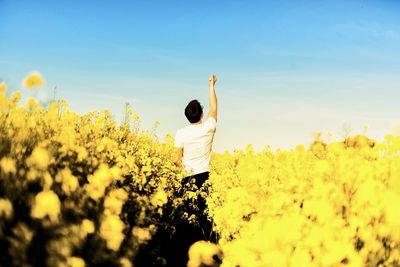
194	142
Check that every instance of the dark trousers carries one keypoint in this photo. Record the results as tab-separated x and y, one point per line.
199	178
188	233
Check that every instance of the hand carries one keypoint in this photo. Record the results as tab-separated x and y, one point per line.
212	80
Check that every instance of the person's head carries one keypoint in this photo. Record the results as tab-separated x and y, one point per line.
194	111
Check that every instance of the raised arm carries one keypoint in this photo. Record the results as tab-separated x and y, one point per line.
213	97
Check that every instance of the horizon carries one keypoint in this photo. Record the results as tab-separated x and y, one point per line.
285	70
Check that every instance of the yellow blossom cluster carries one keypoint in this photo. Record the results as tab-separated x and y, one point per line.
87	227
72	174
75	262
3	87
69	183
203	253
7	165
6	209
333	204
114	201
102	178
112	227
105	185
46	203
33	80
143	234
111	230
39	158
159	198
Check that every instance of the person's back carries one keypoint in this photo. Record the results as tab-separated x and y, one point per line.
194	142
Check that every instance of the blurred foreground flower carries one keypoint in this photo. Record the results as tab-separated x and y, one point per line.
143	234
3	87
39	158
203	253
69	182
111	230
31	103
114	201
124	262
159	198
46	203
76	262
7	165
6	209
87	227
98	182
33	80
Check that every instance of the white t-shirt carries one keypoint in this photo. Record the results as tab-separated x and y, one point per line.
196	141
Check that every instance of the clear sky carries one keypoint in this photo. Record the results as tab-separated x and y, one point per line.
286	68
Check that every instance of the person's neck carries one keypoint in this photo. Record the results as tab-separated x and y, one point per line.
196	123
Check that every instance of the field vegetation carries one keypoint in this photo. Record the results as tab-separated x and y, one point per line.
82	190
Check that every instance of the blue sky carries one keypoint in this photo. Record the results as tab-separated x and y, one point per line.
286	68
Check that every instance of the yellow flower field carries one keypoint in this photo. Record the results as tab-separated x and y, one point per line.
330	205
81	190
70	184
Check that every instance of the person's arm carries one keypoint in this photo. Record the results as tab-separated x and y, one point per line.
179	155
213	97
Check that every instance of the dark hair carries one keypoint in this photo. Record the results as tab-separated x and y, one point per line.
193	111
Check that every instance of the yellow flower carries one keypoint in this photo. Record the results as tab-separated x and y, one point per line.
111	230
32	175
115	172
391	210
39	158
142	234
6	209
33	80
3	102
159	198
7	165
300	258
31	103
114	201
136	117
69	182
48	180
125	262
87	227
3	88
46	203
16	97
203	253
75	262
98	182
64	104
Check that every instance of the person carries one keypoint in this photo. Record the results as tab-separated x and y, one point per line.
193	152
194	141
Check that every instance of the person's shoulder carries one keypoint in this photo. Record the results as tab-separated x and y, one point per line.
182	131
211	122
211	119
179	131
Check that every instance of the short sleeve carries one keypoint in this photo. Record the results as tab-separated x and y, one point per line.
178	143
211	124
